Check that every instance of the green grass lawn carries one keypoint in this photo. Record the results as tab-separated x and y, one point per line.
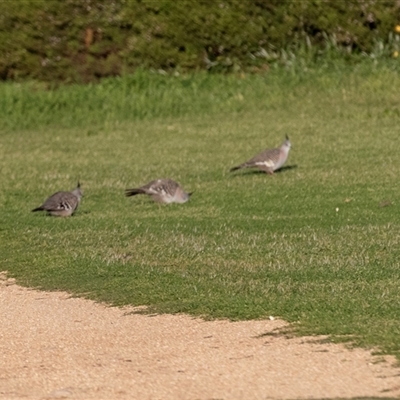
309	244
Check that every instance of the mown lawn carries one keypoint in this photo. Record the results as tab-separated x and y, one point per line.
316	244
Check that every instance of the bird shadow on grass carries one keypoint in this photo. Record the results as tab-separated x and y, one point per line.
286	168
255	171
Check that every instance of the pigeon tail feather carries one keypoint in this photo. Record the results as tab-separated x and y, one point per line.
134	192
237	167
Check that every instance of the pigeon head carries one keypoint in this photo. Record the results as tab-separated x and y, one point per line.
78	192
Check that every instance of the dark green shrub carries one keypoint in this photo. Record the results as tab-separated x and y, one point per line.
82	40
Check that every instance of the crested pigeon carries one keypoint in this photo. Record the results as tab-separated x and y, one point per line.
162	191
62	204
268	160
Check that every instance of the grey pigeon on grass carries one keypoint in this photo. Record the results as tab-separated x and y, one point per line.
62	204
162	191
268	160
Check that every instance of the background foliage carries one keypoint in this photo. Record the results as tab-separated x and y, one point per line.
83	40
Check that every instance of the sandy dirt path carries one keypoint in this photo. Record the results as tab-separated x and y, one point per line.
53	346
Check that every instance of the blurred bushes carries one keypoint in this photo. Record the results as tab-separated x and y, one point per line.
83	40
